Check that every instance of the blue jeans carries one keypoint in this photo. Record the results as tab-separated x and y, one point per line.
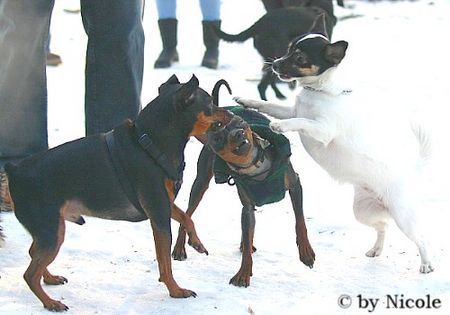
210	9
114	69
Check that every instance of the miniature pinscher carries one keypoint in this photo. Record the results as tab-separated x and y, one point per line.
131	173
247	153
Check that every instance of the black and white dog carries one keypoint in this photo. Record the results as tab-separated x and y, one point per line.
373	146
273	31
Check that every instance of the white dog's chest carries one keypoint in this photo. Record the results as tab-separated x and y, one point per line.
367	147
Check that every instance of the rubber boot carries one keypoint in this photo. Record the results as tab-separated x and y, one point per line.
211	41
169	54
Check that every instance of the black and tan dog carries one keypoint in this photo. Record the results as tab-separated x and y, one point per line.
131	173
256	159
273	32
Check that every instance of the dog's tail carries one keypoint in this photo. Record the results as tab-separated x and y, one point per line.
241	37
215	91
424	141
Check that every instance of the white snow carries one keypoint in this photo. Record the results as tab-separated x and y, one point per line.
397	48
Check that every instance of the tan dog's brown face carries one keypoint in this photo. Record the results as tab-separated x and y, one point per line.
233	142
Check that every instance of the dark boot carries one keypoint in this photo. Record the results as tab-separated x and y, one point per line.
169	54
211	41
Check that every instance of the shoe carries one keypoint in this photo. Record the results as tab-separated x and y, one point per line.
53	59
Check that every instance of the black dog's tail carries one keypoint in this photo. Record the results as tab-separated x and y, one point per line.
241	37
215	91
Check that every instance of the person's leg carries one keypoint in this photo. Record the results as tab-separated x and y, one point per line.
24	28
211	20
210	10
168	23
167	9
114	62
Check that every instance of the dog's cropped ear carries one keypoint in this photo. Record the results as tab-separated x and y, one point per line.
186	93
319	26
172	80
335	52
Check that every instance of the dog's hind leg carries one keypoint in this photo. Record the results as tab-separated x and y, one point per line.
370	210
405	214
42	254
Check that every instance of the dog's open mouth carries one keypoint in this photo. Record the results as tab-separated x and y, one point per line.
284	77
242	148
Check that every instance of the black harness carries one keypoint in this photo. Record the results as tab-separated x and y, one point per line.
153	152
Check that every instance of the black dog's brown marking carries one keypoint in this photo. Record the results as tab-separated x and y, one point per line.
240	132
82	178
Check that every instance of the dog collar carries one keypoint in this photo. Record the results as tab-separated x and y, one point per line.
311	36
258	160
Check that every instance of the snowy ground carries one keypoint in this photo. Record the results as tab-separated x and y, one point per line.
398	48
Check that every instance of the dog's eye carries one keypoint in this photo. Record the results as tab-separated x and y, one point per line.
299	59
218	124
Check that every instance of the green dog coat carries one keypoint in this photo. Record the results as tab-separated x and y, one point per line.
272	188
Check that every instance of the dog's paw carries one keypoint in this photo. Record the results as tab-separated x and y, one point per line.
245	102
374	252
179	253
241	279
54	280
307	255
426	268
180	293
277	127
55	306
198	246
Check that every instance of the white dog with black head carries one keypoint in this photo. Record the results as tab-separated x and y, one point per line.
356	139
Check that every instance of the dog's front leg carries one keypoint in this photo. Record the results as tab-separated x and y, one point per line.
242	277
185	220
272	109
163	240
199	187
320	131
159	211
306	253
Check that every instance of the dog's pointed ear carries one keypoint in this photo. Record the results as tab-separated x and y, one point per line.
172	80
319	26
186	93
335	52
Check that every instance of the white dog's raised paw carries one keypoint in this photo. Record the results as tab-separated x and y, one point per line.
245	102
426	268
277	127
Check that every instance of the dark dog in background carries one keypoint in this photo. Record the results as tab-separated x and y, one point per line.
273	32
257	160
131	173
